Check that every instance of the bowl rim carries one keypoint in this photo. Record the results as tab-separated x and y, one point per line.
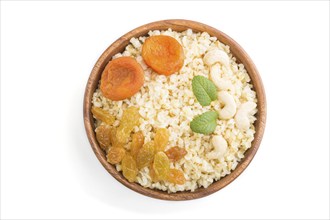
176	25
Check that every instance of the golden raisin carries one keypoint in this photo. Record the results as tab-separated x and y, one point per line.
129	168
113	138
176	176
175	153
145	155
161	165
103	136
103	115
115	155
152	173
129	120
137	143
161	139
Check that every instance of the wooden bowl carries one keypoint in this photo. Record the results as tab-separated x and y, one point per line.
176	25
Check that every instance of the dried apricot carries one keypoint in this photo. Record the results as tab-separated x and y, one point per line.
129	120
103	115
121	78
137	143
175	153
145	155
176	176
161	165
164	54
129	168
103	136
161	139
152	173
115	155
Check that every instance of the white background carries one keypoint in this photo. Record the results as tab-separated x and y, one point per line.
48	169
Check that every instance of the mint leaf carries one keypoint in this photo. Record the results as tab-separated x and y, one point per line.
204	123
204	90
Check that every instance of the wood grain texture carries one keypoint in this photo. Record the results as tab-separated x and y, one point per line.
176	25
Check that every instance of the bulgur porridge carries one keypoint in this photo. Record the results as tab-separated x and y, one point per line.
174	111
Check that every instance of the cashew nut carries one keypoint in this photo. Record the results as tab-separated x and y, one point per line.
216	56
243	113
222	84
229	109
220	147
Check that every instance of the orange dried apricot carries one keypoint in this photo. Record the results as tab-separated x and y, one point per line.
115	155
161	165
175	153
164	54
137	143
129	168
103	136
145	155
176	176
161	139
103	115
121	78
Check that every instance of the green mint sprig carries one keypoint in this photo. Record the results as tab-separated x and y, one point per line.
204	90
204	123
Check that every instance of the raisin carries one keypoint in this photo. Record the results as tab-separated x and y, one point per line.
137	143
176	176
161	139
113	138
129	168
175	153
115	155
103	115
129	120
152	173
103	136
161	165
145	155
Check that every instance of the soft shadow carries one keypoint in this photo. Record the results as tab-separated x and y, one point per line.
98	183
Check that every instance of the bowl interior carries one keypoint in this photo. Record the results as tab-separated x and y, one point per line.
176	25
